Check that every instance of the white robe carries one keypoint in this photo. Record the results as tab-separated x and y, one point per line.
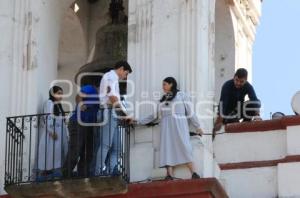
175	145
51	154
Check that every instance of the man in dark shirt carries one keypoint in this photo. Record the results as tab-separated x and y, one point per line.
81	143
232	107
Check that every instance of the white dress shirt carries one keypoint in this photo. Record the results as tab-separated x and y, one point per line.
109	86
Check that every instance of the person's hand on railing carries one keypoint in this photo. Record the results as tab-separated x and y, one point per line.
218	124
126	119
130	121
53	135
199	132
133	122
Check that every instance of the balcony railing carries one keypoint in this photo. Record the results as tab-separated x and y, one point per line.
37	147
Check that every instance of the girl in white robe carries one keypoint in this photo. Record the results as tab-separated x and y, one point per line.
52	137
173	114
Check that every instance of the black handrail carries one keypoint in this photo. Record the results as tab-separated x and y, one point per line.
35	148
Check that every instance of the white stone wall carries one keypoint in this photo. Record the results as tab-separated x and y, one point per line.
288	180
293	146
279	180
143	158
28	57
245	16
254	146
171	38
225	50
6	61
249	183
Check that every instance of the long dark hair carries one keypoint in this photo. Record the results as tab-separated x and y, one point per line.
57	108
174	90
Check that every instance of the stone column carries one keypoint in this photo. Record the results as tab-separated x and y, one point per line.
6	25
33	29
141	56
197	66
28	57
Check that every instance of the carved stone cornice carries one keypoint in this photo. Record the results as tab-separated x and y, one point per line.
249	8
247	13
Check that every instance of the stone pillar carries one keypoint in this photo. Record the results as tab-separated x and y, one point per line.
141	56
205	79
197	66
47	17
28	57
6	25
33	31
16	23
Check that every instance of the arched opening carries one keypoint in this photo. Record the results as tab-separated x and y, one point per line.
91	40
224	46
73	49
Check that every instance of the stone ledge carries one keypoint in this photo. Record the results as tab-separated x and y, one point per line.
79	188
202	188
263	126
259	164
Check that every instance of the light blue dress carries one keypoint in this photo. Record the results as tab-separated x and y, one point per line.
174	117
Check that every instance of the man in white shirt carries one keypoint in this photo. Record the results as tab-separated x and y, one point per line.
110	146
109	88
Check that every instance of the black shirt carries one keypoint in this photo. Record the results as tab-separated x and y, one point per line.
231	96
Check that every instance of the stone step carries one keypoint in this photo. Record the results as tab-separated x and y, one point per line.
202	188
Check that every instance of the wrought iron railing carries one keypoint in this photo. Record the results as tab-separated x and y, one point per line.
36	147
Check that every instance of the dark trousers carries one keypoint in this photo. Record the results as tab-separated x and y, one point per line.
80	151
246	115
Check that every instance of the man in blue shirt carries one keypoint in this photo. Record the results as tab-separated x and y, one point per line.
232	106
81	129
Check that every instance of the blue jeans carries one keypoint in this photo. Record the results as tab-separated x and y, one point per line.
108	144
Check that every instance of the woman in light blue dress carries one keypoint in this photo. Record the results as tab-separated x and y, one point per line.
174	112
52	137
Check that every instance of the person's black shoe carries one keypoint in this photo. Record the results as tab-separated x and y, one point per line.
116	172
169	178
195	176
65	173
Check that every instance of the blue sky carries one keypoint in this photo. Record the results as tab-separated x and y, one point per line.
276	55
